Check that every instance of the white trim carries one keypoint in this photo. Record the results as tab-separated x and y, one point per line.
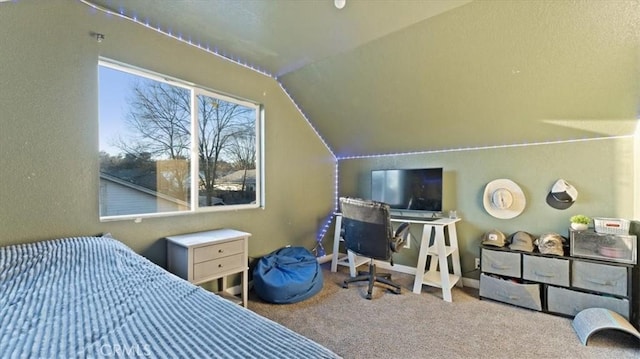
325	258
471	283
237	289
467	282
194	170
148	74
401	268
261	179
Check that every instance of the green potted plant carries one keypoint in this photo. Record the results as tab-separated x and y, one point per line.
580	222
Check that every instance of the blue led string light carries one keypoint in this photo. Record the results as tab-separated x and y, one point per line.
477	148
121	13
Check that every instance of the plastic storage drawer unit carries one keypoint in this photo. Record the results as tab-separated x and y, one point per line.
603	246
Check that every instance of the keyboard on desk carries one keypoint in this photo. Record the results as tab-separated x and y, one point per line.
423	219
414	216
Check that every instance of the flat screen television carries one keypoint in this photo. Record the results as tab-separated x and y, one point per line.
417	189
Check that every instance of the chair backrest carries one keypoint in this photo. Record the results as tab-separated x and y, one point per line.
367	227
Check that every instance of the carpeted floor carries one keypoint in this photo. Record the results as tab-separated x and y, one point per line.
424	326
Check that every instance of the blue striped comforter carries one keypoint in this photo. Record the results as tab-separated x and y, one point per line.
93	297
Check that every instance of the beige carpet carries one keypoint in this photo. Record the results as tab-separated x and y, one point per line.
424	326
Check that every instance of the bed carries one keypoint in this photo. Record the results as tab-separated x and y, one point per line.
93	297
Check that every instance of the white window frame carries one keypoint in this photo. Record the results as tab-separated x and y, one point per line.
196	90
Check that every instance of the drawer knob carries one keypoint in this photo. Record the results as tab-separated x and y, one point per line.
219	265
220	251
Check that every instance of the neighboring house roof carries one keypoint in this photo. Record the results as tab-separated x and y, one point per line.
237	177
106	177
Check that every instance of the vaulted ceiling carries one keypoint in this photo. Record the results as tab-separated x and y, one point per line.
393	76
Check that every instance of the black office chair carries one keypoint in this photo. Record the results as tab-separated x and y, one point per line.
367	232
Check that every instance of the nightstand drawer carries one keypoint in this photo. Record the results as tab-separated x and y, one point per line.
600	277
217	266
546	270
219	250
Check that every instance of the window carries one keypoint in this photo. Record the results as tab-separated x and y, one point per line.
170	147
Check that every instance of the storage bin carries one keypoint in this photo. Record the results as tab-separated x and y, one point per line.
570	302
611	225
603	246
602	278
546	270
500	262
508	291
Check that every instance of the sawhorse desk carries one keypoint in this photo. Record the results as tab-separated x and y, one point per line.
438	274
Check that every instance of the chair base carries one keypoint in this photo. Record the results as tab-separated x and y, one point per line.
372	277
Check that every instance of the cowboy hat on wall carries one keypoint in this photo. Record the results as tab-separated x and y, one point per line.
503	199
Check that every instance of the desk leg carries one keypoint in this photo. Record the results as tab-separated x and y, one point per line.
444	266
455	254
433	263
336	244
352	263
422	258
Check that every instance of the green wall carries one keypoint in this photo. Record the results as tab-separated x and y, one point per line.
49	133
601	170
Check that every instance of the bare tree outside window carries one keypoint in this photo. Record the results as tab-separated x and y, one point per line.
220	124
242	151
159	120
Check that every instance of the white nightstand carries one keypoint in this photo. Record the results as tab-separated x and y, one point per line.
205	256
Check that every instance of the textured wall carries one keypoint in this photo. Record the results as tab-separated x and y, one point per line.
49	133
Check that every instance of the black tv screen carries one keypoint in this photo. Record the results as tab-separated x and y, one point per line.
410	189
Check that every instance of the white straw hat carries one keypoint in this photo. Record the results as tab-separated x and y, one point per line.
503	199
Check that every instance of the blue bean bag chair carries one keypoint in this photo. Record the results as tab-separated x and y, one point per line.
288	275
